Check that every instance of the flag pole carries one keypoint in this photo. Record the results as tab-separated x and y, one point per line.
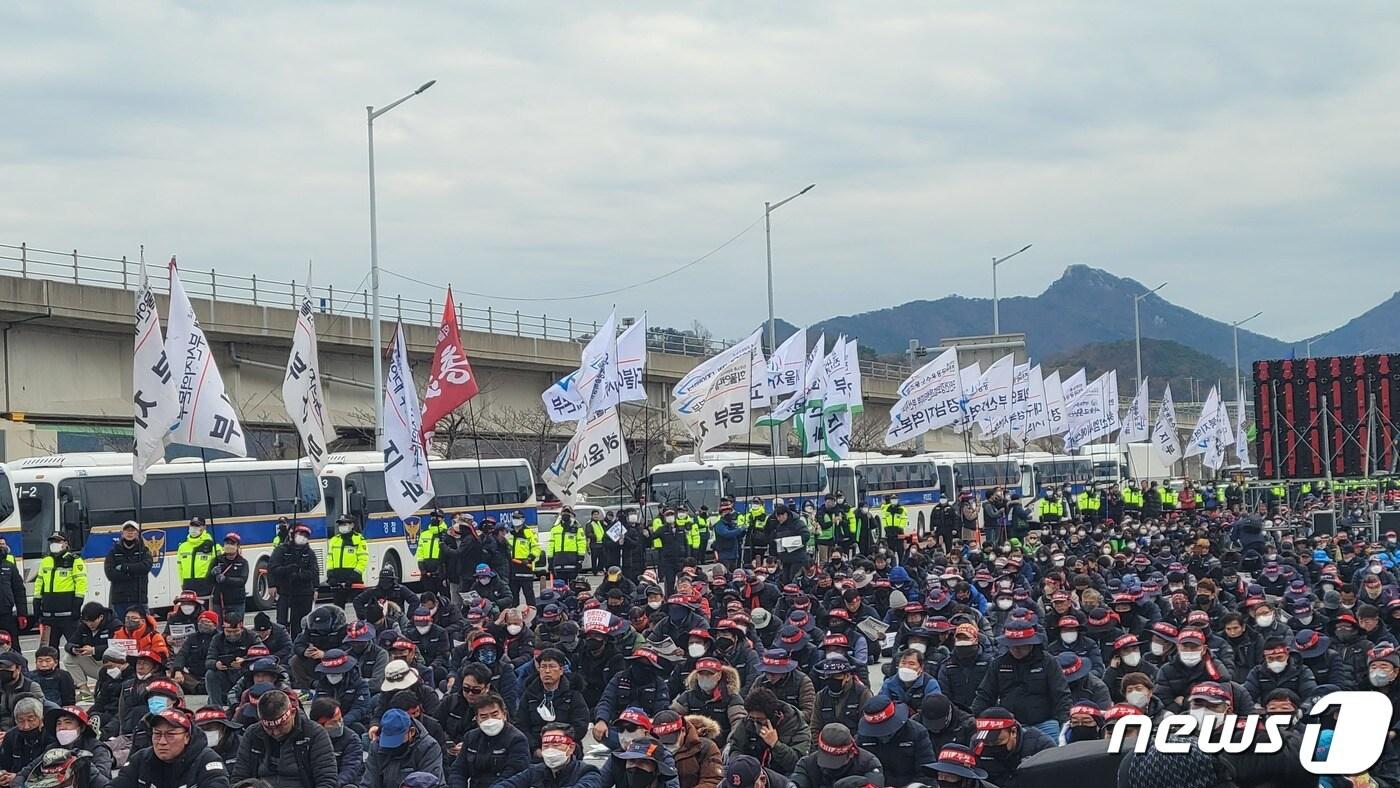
208	495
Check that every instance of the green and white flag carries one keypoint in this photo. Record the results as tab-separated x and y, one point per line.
811	386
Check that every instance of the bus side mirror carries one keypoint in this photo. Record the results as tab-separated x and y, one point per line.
355	502
71	518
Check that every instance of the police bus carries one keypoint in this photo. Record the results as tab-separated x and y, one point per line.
352	484
11	532
918	483
686	483
87	497
976	475
1044	470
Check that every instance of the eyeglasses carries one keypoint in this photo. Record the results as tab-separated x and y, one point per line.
167	735
470	690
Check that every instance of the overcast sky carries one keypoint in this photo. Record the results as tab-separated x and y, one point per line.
1246	153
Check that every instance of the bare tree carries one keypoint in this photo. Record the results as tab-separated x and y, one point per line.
867	433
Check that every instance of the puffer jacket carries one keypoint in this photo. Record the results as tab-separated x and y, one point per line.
1033	688
724	705
568	708
1295	676
699	762
303	759
388	768
486	760
844	708
794	740
810	774
197	767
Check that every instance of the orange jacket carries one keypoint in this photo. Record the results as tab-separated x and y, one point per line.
148	638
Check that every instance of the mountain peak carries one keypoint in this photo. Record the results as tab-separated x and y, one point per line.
1081	278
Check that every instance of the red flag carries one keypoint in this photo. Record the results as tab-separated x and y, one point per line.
450	381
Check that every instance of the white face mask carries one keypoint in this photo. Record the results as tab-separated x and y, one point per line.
423	628
1158	649
114	672
695	650
1264	622
1380	678
491	727
1202	715
301	539
1132	659
553	758
631	519
345	529
707	683
669	520
546	712
654	604
212	736
1003	604
1058	560
67	737
513	629
922	648
1189	658
1276	666
1069	637
56	548
908	675
626	739
196	531
187	609
1139	698
1305	619
335	678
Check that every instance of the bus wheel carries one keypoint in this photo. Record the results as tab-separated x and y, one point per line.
391	561
262	592
920	528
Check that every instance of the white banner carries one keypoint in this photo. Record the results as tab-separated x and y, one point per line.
1073	385
725	411
599	384
838	435
1135	426
1018	420
934	404
785	369
968	377
840	381
1093	413
811	388
562	401
1215	456
301	387
596	448
758	380
1241	437
1054	406
207	418
691	387
406	480
992	397
855	396
632	361
1038	407
1207	426
1166	444
157	406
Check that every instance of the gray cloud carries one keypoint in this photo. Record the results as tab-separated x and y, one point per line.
1245	153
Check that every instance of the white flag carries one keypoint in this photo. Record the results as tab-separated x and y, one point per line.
1018	411
562	401
691	388
855	396
207	418
786	367
632	361
1241	437
725	411
599	383
934	404
596	448
1215	455
1054	406
968	378
810	390
1093	413
841	377
1204	433
990	401
157	406
406	480
1135	427
1073	385
1037	408
837	438
301	387
758	380
1111	394
1166	445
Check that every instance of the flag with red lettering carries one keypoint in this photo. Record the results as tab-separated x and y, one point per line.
450	380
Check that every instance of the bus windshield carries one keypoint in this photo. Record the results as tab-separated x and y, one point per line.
36	516
686	488
843	482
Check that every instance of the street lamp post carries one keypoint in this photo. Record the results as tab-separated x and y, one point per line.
1137	332
915	352
375	338
996	305
1235	329
768	209
1310	342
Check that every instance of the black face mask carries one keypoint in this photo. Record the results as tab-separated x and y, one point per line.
636	778
965	652
386	583
836	685
357	648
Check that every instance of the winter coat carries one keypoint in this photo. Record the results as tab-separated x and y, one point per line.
574	774
911	695
651	696
388	768
960	679
1090	689
86	636
10	694
294	570
1295	676
304	758
147	637
1002	769
902	752
810	774
229	578
1033	688
569	709
725	706
845	708
794	740
128	570
350	757
13	597
196	767
1174	680
351	694
797	689
20	748
486	760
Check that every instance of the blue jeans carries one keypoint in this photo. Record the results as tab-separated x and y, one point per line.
1050	728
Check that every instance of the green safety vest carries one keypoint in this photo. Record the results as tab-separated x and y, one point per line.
348	551
596	526
195	556
430	542
1087	502
525	547
894	521
1053	508
55	580
1168	498
562	542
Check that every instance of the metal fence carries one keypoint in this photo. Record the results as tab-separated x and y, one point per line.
27	262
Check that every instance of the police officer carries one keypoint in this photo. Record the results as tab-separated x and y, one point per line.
128	569
671	541
430	555
1050	509
347	560
896	520
756	520
59	588
524	545
567	546
597	536
296	573
195	556
14	602
1090	505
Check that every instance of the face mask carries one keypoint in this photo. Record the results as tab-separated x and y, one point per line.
1132	659
335	678
230	550
553	758
696	650
1138	698
56	548
206	629
486	656
513	629
187	609
654	604
114	672
301	539
1158	649
1375	570
67	737
669	520
1190	658
517	521
157	704
139	675
1276	666
345	529
1380	678
626	738
1202	715
707	684
636	778
1069	637
423	629
679	615
1264	622
213	737
1003	604
965	652
491	727
1058	560
908	675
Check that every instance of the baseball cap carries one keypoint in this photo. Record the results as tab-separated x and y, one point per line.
835	746
742	771
393	728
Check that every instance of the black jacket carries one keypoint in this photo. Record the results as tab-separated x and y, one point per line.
794	740
901	753
388	768
19	748
128	570
12	593
486	760
229	577
1033	688
197	767
1001	769
294	570
97	638
574	774
810	774
302	759
959	679
567	703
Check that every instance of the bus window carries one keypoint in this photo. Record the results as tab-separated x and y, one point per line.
946	481
303	498
109	500
36	516
162	500
333	490
450	488
252	494
681	488
845	481
371	483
